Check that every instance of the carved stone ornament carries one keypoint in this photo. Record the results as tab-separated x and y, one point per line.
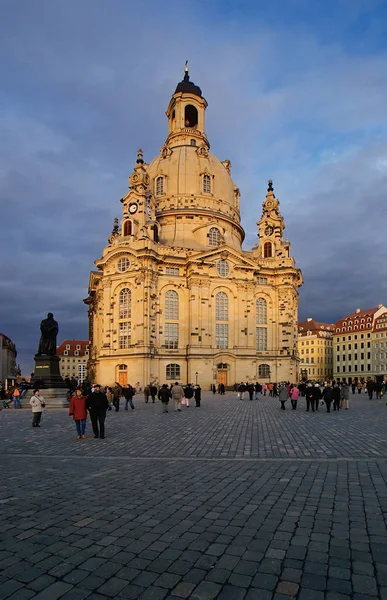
166	152
134	177
227	165
202	151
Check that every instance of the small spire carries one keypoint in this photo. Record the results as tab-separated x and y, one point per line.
186	75
140	160
270	186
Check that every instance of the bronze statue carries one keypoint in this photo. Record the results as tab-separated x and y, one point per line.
49	330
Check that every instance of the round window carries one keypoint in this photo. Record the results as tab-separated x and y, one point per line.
223	268
123	265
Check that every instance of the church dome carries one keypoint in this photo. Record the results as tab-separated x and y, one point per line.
188	87
183	170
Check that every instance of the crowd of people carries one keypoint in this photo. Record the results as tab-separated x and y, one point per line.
328	393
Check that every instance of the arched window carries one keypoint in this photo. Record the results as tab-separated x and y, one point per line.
261	311
221	318
267	250
127	228
155	234
171	330
264	371
159	186
221	303
261	321
171	305
172	371
192	142
125	304
214	236
124	315
206	184
190	116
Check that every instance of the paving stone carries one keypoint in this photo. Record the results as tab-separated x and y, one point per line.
287	588
54	591
183	589
230	592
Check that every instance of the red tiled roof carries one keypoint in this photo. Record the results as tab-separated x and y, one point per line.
312	325
356	315
73	347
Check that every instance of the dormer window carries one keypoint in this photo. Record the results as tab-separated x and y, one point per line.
267	250
214	236
206	184
190	116
127	228
159	186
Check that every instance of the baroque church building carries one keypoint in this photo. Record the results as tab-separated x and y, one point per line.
174	297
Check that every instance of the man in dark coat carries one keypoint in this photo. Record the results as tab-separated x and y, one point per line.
164	395
97	405
317	395
241	391
198	395
328	396
370	388
309	397
128	393
336	394
188	393
153	392
250	389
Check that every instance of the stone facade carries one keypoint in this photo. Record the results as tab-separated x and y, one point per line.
174	296
354	340
315	350
8	354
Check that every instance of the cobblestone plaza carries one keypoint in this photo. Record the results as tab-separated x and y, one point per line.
232	500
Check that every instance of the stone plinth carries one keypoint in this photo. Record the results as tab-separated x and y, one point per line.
46	373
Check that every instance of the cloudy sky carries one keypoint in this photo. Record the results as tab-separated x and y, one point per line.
297	92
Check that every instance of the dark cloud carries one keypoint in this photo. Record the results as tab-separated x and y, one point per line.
85	84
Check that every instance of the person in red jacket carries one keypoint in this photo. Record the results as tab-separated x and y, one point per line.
79	413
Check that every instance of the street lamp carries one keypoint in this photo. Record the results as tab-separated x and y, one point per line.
196	375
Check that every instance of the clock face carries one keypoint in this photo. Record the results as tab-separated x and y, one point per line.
133	208
149	210
269	204
269	230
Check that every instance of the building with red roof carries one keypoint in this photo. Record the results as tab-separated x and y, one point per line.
354	338
73	355
315	348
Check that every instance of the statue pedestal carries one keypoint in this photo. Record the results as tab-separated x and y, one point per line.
46	372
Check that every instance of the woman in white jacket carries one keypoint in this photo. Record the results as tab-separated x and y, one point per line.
37	403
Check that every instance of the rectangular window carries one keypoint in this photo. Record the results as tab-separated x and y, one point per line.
222	335
262	280
343	369
124	334
173	371
362	356
338	369
171	271
171	338
368	367
349	357
368	344
261	338
355	368
368	356
361	367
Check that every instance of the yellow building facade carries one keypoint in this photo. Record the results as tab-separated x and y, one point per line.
175	297
315	347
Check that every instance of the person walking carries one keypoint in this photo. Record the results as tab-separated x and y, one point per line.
359	387
97	405
294	394
213	388
164	396
128	393
317	395
257	389
336	394
283	395
177	394
377	389
117	393
328	396
241	391
16	397
222	389
198	395
275	390
188	393
309	397
344	395
78	412
270	388
37	404
264	389
146	394
353	386
370	388
153	392
250	389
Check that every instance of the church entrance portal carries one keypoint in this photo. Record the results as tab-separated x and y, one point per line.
222	374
